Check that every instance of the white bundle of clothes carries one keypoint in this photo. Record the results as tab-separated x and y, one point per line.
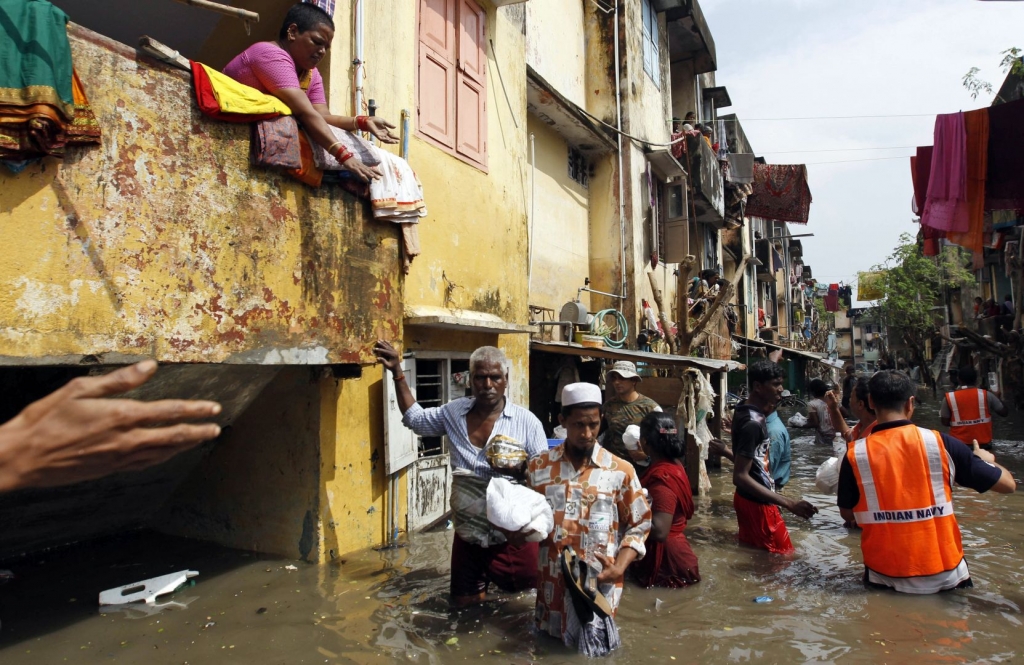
515	508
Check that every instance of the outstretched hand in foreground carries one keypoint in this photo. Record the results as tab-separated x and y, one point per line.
76	433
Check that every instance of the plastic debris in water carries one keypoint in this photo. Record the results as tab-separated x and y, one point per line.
290	567
658	602
763	599
451	640
146	590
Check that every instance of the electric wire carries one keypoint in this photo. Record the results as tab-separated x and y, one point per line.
788	152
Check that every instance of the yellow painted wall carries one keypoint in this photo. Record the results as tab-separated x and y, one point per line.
165	242
556	46
354	488
561	247
475	235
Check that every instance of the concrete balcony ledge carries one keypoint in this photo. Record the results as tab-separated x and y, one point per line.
465	320
164	242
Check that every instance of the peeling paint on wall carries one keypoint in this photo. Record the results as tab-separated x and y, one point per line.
164	241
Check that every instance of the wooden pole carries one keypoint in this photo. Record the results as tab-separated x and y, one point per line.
662	315
163	53
683	305
235	12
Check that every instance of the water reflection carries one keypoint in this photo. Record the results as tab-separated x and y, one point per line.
380	607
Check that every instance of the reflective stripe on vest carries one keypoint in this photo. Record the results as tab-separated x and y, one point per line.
876	515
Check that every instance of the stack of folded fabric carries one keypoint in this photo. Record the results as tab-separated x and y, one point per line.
223	98
43	107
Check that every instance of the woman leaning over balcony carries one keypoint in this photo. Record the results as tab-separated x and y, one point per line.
286	68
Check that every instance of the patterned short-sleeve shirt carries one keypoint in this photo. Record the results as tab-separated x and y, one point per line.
605	491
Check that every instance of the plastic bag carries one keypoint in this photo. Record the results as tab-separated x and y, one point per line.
797	420
827	477
631	437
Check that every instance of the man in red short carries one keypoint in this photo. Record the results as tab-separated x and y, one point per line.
756	501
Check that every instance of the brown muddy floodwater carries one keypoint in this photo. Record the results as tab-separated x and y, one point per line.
381	607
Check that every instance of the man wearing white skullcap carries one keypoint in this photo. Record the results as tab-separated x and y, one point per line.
595	497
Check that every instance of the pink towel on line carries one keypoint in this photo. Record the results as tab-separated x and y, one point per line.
945	206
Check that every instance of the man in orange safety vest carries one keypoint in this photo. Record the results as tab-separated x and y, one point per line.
967	411
896	484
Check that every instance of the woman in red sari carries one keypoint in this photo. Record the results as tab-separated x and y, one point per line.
669	561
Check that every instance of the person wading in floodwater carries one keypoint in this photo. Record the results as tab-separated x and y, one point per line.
600	512
896	485
756	501
480	553
967	411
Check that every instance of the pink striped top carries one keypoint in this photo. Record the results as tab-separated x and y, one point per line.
268	67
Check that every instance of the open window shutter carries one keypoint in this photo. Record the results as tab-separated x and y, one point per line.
471	83
400	442
437	61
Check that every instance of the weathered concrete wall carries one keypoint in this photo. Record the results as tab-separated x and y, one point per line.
646	112
164	242
476	233
561	247
354	488
556	46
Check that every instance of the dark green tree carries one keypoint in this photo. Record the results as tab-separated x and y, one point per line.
916	289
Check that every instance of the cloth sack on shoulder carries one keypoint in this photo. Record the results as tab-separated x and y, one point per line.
514	508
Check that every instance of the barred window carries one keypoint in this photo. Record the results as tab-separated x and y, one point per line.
579	170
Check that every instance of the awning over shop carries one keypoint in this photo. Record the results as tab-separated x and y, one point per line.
706	364
786	351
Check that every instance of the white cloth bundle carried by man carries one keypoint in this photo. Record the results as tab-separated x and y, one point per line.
515	508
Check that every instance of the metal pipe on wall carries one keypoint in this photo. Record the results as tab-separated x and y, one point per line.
357	62
618	138
533	212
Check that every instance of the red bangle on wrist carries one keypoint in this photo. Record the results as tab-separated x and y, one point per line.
363	122
400	378
342	155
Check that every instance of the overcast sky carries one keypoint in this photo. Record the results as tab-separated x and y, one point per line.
814	58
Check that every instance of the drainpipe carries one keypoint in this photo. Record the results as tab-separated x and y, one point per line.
622	176
533	209
357	75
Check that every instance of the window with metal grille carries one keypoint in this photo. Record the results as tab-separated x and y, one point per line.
579	170
439	381
430	393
